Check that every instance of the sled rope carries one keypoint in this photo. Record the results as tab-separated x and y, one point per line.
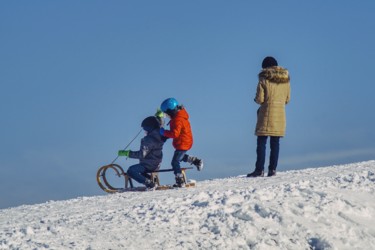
127	146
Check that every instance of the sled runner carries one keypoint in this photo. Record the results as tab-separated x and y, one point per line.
153	176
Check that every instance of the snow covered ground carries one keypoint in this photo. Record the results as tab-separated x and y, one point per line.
322	208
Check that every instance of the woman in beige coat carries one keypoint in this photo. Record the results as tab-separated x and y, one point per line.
273	93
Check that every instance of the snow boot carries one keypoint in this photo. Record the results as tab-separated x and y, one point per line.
150	185
180	181
198	163
195	161
271	172
256	174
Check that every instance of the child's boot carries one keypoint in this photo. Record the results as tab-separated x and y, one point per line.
196	162
180	181
150	185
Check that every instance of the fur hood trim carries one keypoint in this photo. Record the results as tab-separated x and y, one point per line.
275	74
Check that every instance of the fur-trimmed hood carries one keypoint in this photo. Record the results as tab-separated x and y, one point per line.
275	74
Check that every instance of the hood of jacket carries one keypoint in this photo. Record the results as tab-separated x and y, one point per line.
275	74
182	114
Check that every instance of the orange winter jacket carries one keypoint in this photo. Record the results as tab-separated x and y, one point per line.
180	131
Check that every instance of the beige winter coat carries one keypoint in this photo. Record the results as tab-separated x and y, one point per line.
273	93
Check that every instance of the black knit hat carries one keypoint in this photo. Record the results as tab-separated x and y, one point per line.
269	61
150	123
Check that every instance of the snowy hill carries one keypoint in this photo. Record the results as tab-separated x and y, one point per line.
323	208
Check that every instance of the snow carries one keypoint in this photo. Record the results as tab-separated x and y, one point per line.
321	208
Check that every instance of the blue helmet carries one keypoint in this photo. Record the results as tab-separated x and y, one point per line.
169	104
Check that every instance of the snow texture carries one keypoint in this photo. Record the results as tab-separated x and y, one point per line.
321	208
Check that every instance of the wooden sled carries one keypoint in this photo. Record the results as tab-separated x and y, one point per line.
128	185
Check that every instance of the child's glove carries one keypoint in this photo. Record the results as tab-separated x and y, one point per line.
124	153
162	131
159	113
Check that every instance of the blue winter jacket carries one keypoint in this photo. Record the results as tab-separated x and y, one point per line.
150	153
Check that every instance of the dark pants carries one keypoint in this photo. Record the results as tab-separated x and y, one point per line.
261	153
178	156
137	172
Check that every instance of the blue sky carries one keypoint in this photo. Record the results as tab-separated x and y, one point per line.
78	77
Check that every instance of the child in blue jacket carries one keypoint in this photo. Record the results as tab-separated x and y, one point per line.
150	153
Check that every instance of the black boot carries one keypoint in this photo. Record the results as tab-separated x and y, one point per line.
271	172
256	174
198	163
150	184
194	160
180	181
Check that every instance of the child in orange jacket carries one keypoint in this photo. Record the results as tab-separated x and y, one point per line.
180	132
